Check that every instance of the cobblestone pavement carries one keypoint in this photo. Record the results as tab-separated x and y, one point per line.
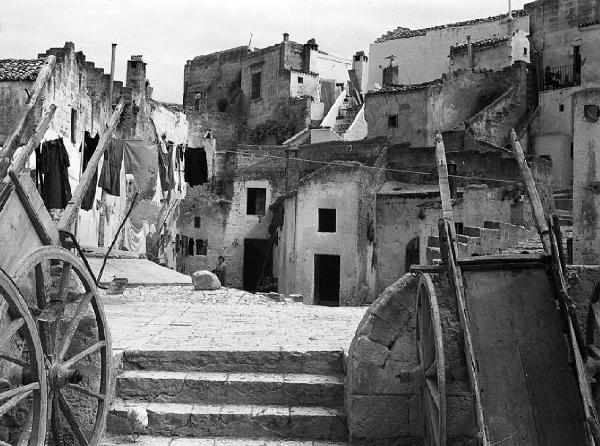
180	318
166	441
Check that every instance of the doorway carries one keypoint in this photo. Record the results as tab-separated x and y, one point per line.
327	280
413	254
256	261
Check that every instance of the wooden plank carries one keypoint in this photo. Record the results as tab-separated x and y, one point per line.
12	141
35	209
442	168
19	163
530	394
69	215
534	198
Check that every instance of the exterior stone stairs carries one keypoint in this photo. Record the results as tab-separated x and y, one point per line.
245	397
346	117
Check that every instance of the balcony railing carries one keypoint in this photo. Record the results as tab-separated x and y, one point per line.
561	77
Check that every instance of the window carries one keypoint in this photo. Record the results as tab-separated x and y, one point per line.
561	107
256	81
190	247
393	121
201	247
200	100
326	220
459	227
524	51
196	222
73	125
300	80
257	198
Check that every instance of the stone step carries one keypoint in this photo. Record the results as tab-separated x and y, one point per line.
201	420
310	362
231	388
146	440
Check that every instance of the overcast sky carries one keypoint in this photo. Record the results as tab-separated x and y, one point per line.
169	32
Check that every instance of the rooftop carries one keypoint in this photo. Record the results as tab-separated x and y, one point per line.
389	89
494	41
405	33
20	69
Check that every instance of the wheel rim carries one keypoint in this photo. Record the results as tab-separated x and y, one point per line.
430	351
21	354
75	341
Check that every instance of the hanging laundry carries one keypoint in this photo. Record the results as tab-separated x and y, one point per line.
110	176
196	168
171	164
89	147
163	169
134	239
141	160
52	164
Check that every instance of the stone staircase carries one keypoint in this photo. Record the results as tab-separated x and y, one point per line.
230	397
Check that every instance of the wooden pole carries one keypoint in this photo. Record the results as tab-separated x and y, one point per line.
532	193
12	141
70	213
19	163
442	168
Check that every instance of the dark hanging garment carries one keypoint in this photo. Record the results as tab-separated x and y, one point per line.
89	147
196	168
171	164
163	170
53	162
110	177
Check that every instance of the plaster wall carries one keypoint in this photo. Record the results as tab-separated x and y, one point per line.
425	58
333	67
590	51
586	180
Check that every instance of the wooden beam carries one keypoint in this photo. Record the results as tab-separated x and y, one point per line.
19	163
12	141
532	193
442	168
70	213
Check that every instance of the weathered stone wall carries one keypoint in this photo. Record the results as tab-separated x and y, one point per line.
443	105
586	179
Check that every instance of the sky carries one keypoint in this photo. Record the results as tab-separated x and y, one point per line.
170	32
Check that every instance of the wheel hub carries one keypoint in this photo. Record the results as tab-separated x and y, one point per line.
61	376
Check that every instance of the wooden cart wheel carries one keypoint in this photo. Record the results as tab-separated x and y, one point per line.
75	341
23	389
430	351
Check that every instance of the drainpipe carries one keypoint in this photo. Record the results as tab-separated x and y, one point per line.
470	52
112	74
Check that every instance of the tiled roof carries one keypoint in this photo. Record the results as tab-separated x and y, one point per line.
404	88
20	69
480	43
593	22
404	33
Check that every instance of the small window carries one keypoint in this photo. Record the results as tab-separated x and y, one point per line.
201	247
393	121
73	125
300	80
357	58
459	227
190	247
561	107
200	98
256	81
257	198
196	222
525	51
326	220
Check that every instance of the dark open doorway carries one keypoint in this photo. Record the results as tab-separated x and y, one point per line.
327	280
412	254
256	255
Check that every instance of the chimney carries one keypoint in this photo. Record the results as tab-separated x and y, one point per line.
112	73
360	71
286	37
470	57
509	10
309	56
284	53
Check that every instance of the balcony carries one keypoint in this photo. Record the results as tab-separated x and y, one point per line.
562	77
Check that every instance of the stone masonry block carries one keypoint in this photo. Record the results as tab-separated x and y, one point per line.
378	416
369	351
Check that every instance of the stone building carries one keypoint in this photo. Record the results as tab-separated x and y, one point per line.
421	55
80	91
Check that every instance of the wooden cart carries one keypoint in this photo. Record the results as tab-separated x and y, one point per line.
55	353
520	338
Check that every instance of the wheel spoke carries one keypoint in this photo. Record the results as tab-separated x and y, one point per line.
26	430
85	391
88	351
433	391
79	313
19	391
66	410
64	282
57	431
14	401
16	361
40	286
431	370
10	331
